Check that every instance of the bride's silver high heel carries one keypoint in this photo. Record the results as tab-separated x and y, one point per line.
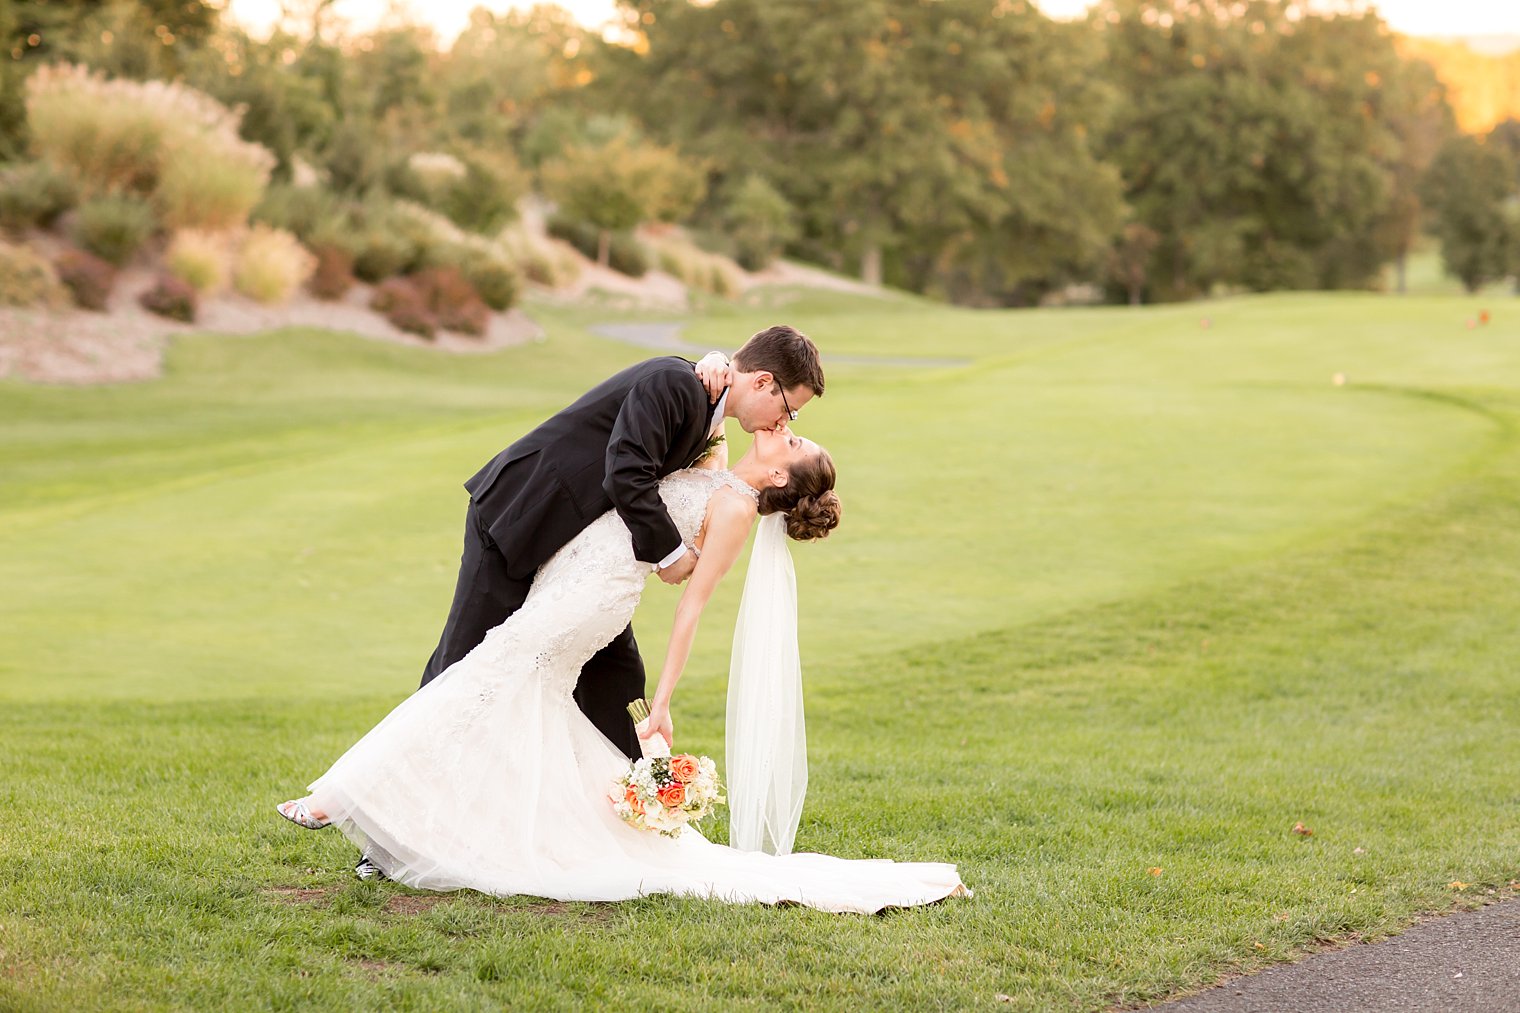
296	812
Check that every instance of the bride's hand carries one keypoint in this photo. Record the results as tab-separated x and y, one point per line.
713	371
659	722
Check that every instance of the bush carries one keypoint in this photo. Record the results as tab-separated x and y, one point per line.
486	268
486	197
27	279
585	238
400	301
200	259
544	262
213	190
352	156
151	138
625	255
628	256
496	281
391	240
452	300
314	214
172	298
477	191
115	227
381	254
271	265
88	279
34	195
333	275
696	268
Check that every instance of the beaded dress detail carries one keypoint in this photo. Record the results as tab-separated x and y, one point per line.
490	778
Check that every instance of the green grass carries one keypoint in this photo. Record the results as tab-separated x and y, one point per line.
1125	593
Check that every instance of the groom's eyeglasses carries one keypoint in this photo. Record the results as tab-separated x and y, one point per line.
791	412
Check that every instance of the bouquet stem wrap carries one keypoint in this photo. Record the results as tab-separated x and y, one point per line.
655	745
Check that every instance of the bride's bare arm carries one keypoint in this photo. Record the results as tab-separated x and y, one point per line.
729	516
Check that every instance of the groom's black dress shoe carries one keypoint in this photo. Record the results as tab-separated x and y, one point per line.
369	870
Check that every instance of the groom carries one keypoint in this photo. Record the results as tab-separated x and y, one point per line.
608	451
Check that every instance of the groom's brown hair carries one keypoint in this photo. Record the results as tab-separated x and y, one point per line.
785	353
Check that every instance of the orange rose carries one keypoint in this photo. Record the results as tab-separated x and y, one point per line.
684	768
633	800
673	795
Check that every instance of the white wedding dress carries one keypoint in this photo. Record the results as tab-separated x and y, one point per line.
490	778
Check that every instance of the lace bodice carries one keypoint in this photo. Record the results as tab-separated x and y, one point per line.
587	592
686	494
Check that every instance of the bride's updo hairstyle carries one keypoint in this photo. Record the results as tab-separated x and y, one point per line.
808	499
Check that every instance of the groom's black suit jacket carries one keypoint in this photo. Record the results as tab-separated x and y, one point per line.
608	450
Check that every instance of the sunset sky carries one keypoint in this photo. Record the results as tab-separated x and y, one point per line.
1412	17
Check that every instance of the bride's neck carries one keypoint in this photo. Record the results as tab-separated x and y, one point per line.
750	471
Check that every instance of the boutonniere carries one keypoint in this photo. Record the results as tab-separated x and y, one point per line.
708	448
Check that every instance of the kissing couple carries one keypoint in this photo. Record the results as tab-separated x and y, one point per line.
494	775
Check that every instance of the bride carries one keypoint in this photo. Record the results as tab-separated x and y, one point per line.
490	778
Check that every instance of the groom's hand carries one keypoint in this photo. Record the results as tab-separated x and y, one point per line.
680	569
713	371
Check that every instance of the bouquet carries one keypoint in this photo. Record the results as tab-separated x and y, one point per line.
662	792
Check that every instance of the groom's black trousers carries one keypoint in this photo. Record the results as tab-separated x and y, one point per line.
485	596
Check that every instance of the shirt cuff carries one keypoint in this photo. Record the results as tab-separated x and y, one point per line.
677	554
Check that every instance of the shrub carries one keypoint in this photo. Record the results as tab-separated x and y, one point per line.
88	278
628	256
486	197
381	254
625	254
148	138
34	195
199	258
477	190
114	227
170	297
623	182
496	281
333	275
392	239
213	190
271	265
696	268
400	301
352	156
314	214
434	172
452	300
485	266
27	279
580	235
544	262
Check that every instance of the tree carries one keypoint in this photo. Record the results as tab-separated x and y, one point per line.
760	220
1129	260
1267	146
620	184
917	141
281	85
1470	188
505	71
